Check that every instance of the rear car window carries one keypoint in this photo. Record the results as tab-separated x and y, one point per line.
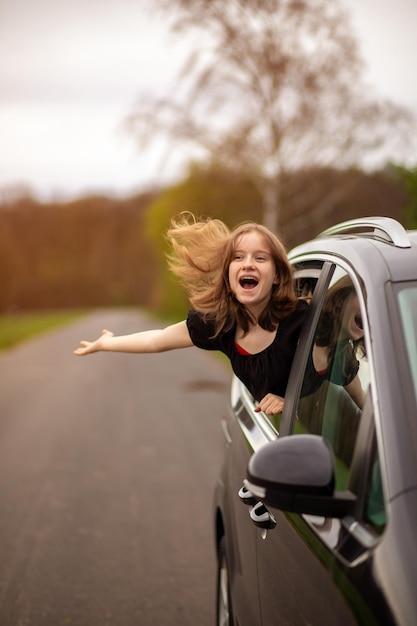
407	301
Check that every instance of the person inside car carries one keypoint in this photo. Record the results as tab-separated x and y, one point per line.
339	340
241	289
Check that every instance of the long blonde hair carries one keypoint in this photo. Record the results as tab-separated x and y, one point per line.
200	255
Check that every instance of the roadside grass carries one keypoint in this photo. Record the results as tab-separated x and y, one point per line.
17	327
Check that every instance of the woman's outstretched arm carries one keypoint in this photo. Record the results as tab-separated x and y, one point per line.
148	341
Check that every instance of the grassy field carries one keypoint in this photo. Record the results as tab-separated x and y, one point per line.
17	327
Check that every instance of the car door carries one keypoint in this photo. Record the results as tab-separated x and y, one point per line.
247	435
306	563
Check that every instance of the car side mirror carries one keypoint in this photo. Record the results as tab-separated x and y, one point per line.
296	473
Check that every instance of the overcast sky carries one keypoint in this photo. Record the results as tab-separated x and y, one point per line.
71	70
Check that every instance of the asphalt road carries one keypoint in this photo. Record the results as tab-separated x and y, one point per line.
107	470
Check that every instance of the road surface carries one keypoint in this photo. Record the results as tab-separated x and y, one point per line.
107	469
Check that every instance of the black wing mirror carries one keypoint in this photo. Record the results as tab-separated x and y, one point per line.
296	474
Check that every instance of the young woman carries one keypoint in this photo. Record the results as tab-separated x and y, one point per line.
241	289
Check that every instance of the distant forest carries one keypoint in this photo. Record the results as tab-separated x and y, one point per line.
102	251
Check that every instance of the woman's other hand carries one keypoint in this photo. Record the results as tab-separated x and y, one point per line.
89	347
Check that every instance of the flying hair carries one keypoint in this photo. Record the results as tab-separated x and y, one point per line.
200	254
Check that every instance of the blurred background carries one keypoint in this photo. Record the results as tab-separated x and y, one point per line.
116	115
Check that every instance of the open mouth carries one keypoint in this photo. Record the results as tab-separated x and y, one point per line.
248	282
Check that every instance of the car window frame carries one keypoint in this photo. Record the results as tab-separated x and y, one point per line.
330	275
358	482
330	263
301	354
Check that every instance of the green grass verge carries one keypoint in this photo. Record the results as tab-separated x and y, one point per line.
15	328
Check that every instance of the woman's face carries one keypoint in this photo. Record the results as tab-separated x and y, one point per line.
252	272
352	325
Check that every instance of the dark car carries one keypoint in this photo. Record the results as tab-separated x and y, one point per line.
316	509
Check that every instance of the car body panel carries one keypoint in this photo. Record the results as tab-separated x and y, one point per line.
318	570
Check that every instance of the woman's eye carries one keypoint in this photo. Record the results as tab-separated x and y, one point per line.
260	258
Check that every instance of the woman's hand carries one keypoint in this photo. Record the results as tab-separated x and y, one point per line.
271	404
88	347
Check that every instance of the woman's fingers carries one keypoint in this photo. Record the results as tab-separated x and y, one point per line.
84	350
89	347
270	404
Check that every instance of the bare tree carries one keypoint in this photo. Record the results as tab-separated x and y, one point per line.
270	86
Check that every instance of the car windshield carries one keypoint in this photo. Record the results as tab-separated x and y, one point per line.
407	300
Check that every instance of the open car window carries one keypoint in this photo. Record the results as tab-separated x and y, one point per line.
306	277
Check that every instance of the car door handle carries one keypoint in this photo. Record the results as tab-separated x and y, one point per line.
261	517
247	496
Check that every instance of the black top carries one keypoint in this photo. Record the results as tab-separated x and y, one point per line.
342	369
265	372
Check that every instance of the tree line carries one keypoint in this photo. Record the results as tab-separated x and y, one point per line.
102	251
88	252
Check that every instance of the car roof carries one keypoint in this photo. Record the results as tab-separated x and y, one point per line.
378	248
